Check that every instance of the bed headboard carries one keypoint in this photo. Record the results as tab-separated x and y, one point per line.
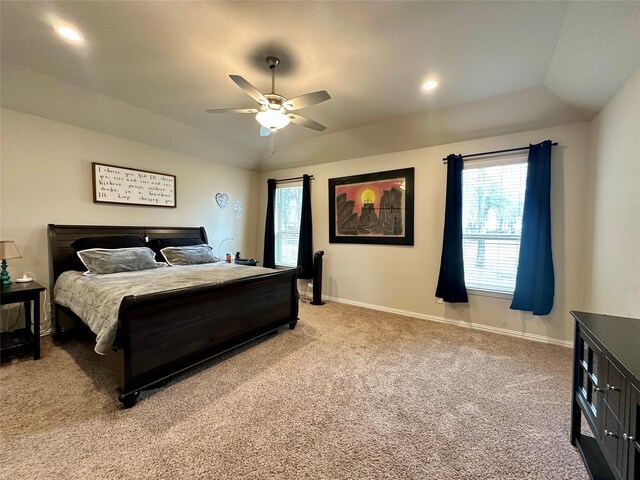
62	236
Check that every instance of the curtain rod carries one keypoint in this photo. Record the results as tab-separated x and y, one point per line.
444	160
292	179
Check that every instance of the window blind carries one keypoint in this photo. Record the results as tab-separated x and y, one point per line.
492	205
287	229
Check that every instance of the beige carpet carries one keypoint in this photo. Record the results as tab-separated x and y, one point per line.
351	393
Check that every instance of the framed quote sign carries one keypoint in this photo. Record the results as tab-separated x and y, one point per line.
372	208
113	184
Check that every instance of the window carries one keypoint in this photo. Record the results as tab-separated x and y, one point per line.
288	209
492	205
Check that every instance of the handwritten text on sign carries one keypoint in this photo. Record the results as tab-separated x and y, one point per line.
113	184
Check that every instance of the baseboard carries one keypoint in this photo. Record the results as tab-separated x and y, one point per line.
459	323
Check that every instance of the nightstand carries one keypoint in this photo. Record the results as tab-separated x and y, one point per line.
247	262
22	339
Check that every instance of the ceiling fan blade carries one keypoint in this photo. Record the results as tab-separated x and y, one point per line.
232	110
264	131
249	89
305	122
306	100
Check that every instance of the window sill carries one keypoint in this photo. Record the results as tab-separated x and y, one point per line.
489	293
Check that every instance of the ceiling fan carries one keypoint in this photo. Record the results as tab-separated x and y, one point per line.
275	110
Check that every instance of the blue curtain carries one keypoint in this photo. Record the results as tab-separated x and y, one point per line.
269	259
534	280
305	245
451	287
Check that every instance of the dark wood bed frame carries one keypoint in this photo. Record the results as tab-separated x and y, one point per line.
162	334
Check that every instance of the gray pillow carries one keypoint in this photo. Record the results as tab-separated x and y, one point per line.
114	260
190	255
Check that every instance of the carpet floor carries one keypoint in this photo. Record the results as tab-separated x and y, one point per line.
350	393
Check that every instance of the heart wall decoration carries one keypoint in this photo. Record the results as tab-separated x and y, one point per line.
222	199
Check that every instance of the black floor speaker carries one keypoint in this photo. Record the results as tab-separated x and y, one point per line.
317	278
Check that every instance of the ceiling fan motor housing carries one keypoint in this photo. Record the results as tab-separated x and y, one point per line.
275	99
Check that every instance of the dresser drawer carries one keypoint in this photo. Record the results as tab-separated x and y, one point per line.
612	439
632	441
615	389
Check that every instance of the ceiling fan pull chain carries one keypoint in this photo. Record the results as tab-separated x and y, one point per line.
272	143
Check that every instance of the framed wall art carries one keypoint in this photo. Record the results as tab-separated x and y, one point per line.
113	184
373	208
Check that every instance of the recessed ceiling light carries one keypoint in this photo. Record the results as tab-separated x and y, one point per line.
430	84
69	33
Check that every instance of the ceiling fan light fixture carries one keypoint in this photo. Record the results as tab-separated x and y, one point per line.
430	84
272	119
69	33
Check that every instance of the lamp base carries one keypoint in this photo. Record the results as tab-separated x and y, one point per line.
4	276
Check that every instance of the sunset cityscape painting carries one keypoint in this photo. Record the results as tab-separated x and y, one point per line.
372	208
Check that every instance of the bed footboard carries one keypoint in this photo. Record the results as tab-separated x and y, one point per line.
162	334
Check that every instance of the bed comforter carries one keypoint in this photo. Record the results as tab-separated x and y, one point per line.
96	298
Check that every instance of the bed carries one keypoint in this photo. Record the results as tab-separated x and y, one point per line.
164	333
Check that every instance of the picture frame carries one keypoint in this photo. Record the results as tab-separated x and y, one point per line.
132	186
372	208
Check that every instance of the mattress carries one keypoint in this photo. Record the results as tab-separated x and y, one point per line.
96	298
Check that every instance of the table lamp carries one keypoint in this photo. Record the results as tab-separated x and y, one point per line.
8	251
220	246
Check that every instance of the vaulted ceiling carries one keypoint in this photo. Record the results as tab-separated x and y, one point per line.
148	70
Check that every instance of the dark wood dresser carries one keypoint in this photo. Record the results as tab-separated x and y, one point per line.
606	392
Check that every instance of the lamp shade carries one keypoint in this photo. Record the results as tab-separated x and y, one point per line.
8	250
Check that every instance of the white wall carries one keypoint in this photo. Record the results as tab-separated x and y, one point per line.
46	178
32	92
612	283
405	278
